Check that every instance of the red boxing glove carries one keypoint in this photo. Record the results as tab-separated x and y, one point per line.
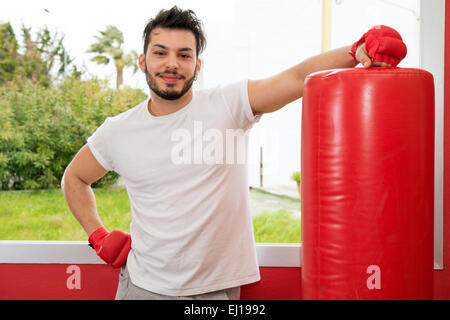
112	247
383	44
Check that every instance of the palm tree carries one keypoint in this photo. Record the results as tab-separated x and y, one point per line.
108	46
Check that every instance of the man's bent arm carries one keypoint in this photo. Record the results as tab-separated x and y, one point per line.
271	94
76	186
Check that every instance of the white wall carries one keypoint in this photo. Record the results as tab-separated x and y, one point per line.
274	46
264	37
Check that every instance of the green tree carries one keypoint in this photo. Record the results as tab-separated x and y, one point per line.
8	52
43	54
109	47
41	57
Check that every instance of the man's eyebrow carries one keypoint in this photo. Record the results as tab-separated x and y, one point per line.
185	49
160	46
165	48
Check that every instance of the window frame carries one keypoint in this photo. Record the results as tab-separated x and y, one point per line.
432	35
79	252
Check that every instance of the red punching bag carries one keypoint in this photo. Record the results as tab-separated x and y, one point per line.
368	184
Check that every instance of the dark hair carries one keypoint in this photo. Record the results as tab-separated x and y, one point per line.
175	18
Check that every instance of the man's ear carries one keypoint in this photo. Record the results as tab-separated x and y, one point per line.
198	67
142	62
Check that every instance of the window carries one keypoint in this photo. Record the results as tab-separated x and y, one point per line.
246	39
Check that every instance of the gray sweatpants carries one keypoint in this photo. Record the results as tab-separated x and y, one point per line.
128	291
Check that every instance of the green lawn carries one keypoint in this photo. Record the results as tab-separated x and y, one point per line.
277	227
44	215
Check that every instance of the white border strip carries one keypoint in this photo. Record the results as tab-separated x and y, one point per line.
279	255
64	252
79	252
432	55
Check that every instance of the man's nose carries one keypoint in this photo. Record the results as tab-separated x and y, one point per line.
172	61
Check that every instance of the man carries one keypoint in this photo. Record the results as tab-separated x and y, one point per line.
191	231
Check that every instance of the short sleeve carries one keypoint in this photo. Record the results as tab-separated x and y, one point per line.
98	145
236	98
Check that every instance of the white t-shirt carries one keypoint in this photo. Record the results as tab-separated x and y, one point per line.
191	226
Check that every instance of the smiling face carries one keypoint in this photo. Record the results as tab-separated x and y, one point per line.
171	64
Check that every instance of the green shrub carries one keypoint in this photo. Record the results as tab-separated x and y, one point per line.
296	176
42	128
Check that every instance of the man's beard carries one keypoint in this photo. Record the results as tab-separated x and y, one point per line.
167	94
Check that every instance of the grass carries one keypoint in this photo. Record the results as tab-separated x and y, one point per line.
278	227
44	215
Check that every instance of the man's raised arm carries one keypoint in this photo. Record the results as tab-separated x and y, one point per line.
381	46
